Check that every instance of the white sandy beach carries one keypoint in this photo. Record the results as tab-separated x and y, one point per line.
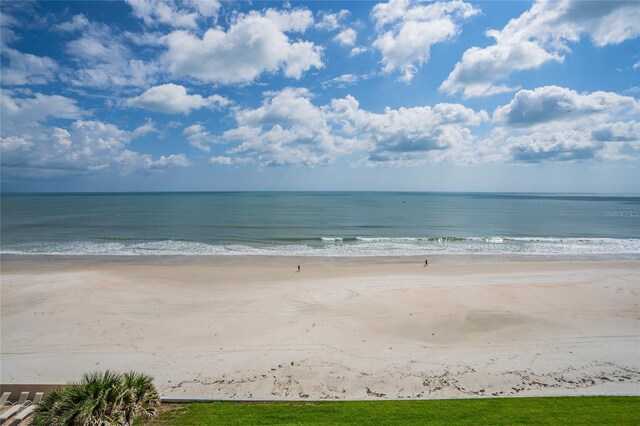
254	328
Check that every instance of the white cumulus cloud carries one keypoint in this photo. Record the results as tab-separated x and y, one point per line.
102	57
407	30
39	139
173	99
77	23
346	80
254	44
410	136
286	129
148	127
27	69
358	50
332	21
154	12
199	137
86	146
20	111
553	103
553	123
540	35
228	161
164	162
289	129
346	37
626	131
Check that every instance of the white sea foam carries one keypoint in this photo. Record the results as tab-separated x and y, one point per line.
388	239
494	240
337	246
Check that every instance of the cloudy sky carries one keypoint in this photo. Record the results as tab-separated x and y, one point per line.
157	95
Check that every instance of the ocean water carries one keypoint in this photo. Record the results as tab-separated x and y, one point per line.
318	224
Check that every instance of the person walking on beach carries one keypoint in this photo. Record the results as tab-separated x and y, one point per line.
298	268
426	263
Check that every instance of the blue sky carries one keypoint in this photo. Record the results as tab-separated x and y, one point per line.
406	95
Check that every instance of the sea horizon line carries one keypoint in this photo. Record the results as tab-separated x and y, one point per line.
268	191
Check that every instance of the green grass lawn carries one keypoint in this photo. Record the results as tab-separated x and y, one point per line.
601	410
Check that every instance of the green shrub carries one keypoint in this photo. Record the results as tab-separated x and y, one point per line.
107	398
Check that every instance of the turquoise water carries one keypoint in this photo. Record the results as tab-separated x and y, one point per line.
323	224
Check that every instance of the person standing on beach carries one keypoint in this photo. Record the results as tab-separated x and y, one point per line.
298	268
426	263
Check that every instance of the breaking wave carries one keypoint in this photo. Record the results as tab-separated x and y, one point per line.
337	246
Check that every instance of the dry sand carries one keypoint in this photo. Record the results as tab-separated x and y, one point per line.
254	328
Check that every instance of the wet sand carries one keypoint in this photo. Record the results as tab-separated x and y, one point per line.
349	329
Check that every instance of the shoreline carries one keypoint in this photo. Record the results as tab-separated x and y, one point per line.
260	259
248	328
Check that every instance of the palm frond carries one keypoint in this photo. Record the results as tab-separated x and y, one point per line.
101	399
